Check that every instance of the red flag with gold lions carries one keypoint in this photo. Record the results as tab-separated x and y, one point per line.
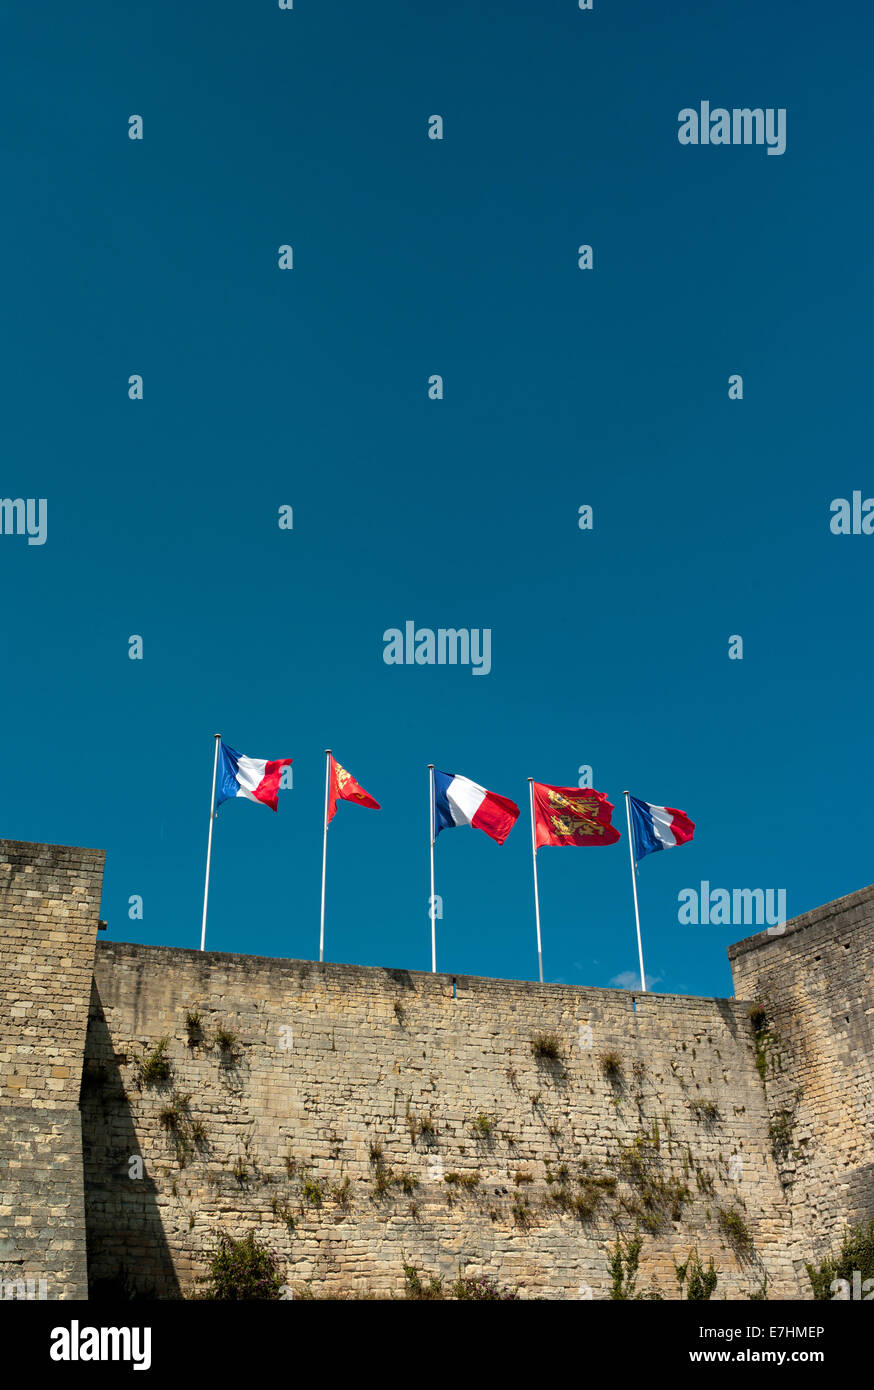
572	816
343	787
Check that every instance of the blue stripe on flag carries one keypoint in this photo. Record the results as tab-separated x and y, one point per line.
642	830
442	813
226	784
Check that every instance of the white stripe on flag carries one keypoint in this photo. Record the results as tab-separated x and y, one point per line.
250	773
465	799
661	824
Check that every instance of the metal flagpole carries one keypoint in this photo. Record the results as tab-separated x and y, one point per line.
433	903
536	891
324	851
218	739
634	889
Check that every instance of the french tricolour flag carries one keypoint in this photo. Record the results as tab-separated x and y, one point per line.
257	779
458	801
658	827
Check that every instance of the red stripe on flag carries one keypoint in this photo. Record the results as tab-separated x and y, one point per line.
682	828
267	789
496	815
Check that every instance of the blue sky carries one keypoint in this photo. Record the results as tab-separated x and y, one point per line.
562	388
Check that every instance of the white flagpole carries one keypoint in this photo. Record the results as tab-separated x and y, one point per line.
634	890
433	904
324	852
218	739
536	890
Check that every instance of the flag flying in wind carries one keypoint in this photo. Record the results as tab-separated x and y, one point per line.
343	787
657	827
458	801
255	778
572	816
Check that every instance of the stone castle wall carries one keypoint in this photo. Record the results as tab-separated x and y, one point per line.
356	1119
815	1043
49	907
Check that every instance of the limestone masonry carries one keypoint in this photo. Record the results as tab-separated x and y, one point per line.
357	1118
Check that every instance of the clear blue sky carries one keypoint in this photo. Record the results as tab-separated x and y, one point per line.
562	387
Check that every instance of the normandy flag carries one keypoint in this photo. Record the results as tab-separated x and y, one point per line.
572	816
339	786
343	787
566	816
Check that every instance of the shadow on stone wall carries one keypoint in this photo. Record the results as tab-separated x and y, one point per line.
128	1256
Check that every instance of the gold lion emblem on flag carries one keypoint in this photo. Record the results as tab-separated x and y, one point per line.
574	817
